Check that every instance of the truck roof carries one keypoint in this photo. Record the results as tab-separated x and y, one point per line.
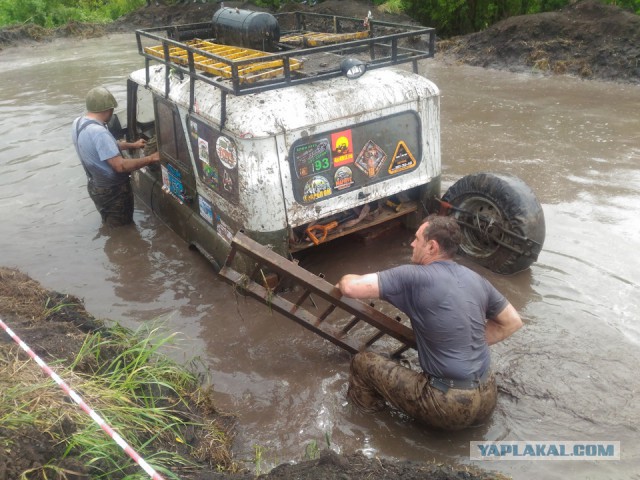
308	105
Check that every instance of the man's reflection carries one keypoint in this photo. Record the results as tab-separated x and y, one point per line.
130	254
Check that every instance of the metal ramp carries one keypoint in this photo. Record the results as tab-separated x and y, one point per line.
348	323
215	58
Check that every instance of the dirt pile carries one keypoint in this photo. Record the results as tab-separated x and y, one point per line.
587	39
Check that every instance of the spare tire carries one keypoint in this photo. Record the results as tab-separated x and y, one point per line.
501	220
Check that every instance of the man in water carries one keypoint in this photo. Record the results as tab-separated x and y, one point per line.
455	314
107	170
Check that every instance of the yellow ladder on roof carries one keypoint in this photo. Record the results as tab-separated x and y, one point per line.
248	73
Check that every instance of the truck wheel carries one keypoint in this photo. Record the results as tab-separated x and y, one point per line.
501	220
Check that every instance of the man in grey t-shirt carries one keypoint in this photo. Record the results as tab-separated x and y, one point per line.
455	314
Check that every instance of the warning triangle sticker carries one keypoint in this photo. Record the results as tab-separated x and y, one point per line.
402	159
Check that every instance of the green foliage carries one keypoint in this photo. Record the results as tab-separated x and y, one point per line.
271	4
54	13
457	17
391	6
449	17
311	451
631	5
114	9
259	452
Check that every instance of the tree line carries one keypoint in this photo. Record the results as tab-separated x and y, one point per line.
449	17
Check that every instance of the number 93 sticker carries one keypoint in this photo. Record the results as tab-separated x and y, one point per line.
312	158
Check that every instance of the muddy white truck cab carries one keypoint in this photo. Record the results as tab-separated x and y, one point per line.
299	128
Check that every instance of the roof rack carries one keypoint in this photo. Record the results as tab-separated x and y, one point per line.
302	55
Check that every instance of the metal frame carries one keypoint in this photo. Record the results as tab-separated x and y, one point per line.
386	42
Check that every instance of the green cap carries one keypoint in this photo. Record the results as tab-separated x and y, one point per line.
99	99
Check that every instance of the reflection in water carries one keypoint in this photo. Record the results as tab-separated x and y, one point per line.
130	260
569	374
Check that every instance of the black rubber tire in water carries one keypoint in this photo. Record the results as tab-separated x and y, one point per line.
498	202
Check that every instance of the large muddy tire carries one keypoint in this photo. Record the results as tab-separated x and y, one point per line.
501	219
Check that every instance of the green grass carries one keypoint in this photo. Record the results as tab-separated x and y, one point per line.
55	308
393	6
144	396
55	13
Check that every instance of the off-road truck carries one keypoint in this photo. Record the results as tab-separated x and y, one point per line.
299	128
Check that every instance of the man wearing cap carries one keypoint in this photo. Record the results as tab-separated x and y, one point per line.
455	314
107	170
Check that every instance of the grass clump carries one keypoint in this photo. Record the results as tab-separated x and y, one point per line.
154	404
392	6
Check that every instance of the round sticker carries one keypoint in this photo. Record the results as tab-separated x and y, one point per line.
343	178
316	188
227	153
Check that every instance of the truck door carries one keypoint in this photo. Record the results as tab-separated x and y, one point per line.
177	170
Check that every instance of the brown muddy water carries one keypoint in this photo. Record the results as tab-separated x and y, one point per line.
570	374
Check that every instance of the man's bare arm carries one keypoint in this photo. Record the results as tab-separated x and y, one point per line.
503	325
359	286
127	165
124	145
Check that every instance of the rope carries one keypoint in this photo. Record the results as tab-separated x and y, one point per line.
76	398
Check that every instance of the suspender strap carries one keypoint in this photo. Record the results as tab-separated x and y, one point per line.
79	129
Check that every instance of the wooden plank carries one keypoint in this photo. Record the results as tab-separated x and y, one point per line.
316	39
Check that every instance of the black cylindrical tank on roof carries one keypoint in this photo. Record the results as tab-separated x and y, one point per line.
246	28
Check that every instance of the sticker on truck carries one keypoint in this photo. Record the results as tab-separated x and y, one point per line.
335	162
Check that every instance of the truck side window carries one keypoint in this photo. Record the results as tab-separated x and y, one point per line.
171	138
